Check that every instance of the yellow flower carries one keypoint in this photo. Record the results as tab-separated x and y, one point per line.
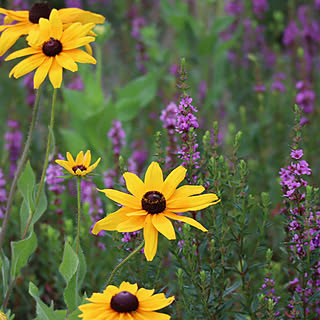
125	303
151	204
53	50
3	316
27	22
81	166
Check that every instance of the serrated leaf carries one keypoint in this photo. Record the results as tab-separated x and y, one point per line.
26	185
21	251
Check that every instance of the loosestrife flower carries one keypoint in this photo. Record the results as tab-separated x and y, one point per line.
53	50
151	204
81	166
3	194
19	23
126	303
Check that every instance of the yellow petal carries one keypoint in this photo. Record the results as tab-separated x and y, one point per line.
81	56
87	159
77	43
11	35
164	226
42	72
138	213
27	65
146	315
93	166
16	15
79	159
143	294
187	220
154	177
123	198
172	181
66	61
150	234
21	53
192	203
186	191
55	74
45	29
111	221
134	184
156	302
131	224
126	286
78	15
76	31
66	165
110	289
56	25
88	49
70	159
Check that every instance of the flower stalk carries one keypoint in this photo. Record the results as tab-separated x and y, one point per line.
20	165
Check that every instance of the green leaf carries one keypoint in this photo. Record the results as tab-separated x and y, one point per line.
21	251
43	311
73	141
41	207
135	96
5	272
24	215
26	185
69	269
231	289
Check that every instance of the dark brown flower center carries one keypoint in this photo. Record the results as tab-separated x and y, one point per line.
153	202
39	10
81	167
124	301
52	47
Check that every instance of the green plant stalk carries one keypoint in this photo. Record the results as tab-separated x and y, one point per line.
79	212
45	165
124	261
20	166
6	298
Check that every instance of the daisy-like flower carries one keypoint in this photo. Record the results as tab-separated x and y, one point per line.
151	203
53	50
126	303
19	23
81	166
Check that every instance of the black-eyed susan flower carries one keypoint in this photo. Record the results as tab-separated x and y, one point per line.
81	166
125	303
53	50
151	203
19	23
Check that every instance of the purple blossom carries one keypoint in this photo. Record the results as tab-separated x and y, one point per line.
277	84
89	194
73	4
305	97
53	180
296	154
28	84
259	88
186	123
137	24
3	194
117	136
291	34
259	7
13	138
233	7
76	84
317	4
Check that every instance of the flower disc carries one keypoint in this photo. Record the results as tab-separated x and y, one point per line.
124	301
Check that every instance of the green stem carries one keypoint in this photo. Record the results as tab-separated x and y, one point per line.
20	166
45	165
79	212
6	298
124	261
